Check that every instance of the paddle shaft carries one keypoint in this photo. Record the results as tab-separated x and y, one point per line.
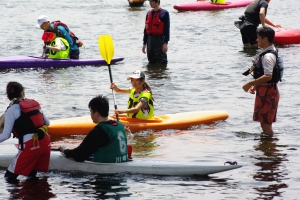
113	92
106	47
44	49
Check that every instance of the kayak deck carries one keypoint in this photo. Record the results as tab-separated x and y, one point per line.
38	62
208	6
142	166
288	36
82	125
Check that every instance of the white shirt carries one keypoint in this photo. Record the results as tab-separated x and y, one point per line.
60	44
13	113
268	61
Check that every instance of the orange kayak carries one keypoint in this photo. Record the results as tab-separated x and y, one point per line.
82	125
136	3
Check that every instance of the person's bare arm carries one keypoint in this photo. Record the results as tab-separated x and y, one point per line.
262	16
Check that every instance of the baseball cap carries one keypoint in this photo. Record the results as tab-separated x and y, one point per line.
42	19
137	74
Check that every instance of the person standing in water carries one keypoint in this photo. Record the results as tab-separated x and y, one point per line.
254	15
27	122
264	84
156	33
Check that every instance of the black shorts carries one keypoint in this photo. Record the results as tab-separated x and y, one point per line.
249	34
74	54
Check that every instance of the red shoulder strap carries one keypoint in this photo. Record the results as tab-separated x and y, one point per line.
59	23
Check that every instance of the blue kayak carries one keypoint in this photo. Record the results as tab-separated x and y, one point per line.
38	62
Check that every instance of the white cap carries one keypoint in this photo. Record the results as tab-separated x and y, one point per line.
136	75
42	19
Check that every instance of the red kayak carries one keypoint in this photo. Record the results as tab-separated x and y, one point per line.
288	36
203	5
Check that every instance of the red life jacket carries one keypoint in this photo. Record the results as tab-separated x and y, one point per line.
154	25
30	120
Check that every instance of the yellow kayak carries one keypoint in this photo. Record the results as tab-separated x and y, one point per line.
82	125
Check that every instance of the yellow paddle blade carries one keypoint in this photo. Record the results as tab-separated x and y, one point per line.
106	47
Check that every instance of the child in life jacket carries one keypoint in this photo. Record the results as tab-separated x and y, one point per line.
140	103
57	48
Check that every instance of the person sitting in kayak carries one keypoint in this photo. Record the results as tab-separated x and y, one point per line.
26	121
140	103
107	140
58	48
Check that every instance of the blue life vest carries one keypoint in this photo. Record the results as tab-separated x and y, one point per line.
277	73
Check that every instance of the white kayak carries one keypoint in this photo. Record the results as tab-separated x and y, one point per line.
137	166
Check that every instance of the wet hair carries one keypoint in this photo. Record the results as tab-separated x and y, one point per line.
100	104
14	90
146	86
266	32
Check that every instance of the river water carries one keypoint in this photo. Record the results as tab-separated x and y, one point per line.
206	60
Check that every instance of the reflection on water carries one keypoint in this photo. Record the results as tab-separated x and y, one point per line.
282	46
34	188
19	70
250	52
68	185
272	167
48	75
136	7
157	71
109	187
95	187
143	146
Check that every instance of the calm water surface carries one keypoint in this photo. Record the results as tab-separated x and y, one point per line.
206	60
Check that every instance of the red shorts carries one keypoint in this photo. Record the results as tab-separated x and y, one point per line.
35	156
266	104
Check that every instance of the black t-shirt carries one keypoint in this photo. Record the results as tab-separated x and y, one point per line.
95	139
252	11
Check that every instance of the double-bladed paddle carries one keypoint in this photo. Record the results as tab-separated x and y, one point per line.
106	47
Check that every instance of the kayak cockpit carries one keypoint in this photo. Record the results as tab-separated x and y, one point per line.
124	118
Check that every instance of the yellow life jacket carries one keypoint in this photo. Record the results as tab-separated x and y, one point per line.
218	1
62	54
143	113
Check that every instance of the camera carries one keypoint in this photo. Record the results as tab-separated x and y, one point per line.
249	71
